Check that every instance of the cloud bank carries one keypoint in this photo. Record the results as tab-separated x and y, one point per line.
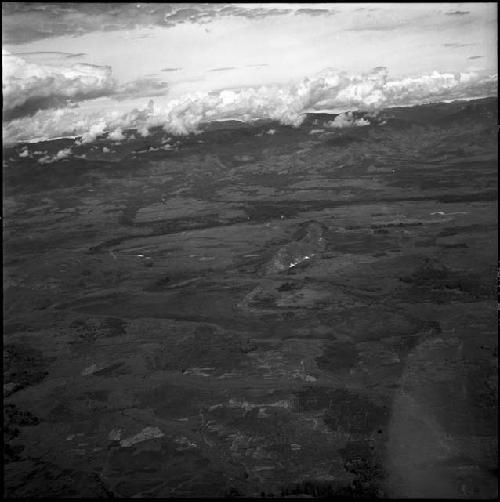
27	87
288	104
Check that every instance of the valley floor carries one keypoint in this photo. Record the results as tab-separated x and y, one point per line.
253	313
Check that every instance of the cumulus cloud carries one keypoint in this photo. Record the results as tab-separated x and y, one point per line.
61	154
116	135
288	104
346	119
95	130
28	87
47	159
441	86
143	130
171	69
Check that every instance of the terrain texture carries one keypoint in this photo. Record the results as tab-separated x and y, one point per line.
256	310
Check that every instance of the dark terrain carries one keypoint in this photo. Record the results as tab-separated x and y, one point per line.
255	314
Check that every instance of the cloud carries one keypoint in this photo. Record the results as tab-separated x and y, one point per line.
347	119
420	20
116	135
250	12
256	65
314	12
437	87
95	130
457	13
456	45
143	87
25	22
33	104
288	104
55	53
475	57
28	87
171	69
183	15
61	154
224	68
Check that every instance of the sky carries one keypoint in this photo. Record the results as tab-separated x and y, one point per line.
103	63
